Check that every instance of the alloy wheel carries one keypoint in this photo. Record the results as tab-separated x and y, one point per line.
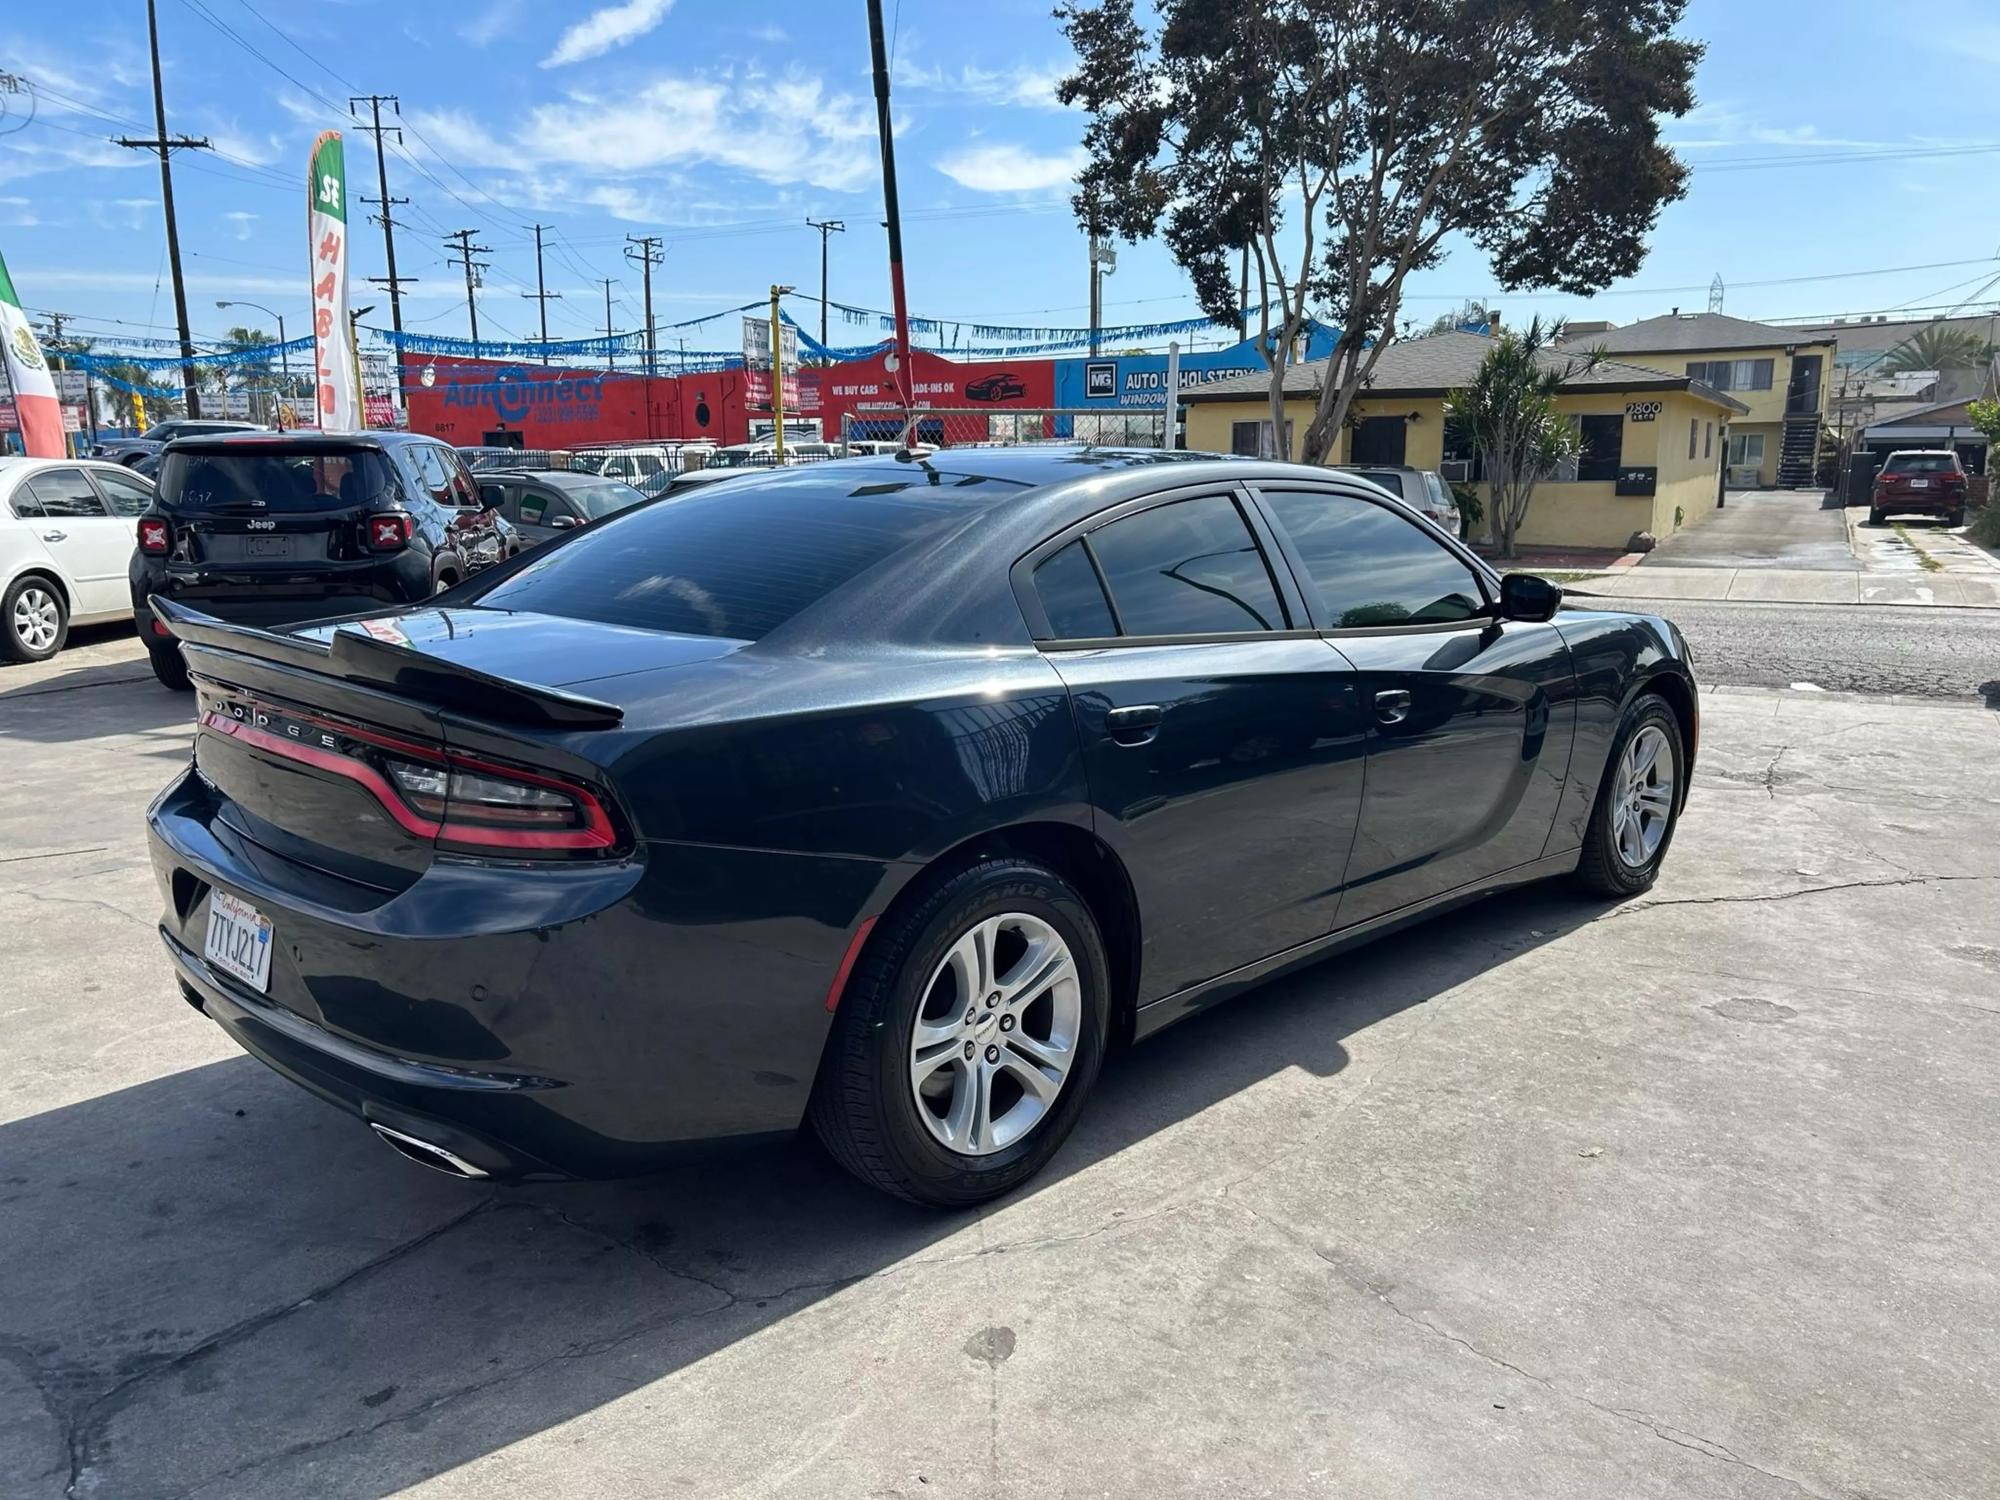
996	1034
1643	797
37	617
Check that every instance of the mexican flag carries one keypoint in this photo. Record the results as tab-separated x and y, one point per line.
28	374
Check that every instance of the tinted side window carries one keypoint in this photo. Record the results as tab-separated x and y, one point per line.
1190	567
66	493
128	496
24	502
437	481
1072	597
534	503
1371	566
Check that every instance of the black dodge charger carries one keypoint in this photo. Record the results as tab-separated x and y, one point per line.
884	794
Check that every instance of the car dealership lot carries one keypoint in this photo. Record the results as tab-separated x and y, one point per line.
1689	1196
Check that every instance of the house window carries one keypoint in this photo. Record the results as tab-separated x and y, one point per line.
1253	440
1694	434
1732	374
1708	440
1746	450
1603	445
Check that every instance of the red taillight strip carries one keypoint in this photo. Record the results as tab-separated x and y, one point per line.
597	832
847	961
329	761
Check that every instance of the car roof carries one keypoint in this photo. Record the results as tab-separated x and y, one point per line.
560	478
261	438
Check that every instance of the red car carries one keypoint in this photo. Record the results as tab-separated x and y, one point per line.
1919	483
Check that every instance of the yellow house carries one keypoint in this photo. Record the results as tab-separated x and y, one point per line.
1652	443
1782	375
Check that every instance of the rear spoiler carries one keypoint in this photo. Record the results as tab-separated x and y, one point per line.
355	657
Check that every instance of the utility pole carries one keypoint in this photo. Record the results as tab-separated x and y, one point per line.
541	294
610	359
1103	258
386	218
164	144
461	241
53	339
878	51
829	227
649	255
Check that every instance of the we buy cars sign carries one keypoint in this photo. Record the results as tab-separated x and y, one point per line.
865	386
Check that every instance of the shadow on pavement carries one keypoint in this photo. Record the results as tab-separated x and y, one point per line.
213	1275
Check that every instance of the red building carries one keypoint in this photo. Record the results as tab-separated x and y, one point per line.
471	402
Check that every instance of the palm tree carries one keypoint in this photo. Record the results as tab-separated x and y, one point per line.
1939	348
1509	415
253	375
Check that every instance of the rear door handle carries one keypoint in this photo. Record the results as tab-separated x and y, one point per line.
54	536
1134	725
1392	705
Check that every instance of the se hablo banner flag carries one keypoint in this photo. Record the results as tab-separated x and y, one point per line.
34	388
338	376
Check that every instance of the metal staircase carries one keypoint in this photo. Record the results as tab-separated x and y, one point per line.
1798	451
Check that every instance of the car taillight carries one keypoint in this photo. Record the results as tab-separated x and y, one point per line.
433	793
388	533
155	536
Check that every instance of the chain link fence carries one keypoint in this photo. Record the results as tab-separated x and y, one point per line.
960	427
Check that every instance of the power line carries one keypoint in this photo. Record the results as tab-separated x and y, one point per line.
650	255
541	294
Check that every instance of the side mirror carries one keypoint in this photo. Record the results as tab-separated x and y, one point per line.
564	523
1523	596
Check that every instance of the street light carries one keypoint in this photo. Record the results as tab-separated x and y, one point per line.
284	358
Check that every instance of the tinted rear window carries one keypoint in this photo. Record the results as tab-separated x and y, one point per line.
1389	479
1921	463
739	560
288	480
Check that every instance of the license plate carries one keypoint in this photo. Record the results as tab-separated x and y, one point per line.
1920	484
239	940
269	546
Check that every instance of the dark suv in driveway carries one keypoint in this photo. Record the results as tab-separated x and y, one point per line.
1918	482
276	528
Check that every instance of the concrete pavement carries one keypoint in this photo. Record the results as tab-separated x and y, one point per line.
1797	547
1687	1196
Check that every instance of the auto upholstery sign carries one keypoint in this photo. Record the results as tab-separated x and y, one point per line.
337	376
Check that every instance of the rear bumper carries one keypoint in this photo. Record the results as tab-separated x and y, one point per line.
594	1022
1917	505
284	596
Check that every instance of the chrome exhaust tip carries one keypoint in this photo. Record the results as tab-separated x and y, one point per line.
426	1154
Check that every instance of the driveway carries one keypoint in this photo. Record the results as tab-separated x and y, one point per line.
1692	1195
1762	529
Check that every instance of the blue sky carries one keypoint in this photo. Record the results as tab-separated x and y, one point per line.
722	127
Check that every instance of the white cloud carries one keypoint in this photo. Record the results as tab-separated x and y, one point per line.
1711	125
1005	168
601	30
1029	85
501	18
769	34
18	213
780	129
240	223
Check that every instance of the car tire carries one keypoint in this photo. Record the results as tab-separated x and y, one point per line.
1956	518
1630	826
169	667
887	1103
34	622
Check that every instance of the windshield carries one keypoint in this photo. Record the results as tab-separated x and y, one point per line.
600	500
296	479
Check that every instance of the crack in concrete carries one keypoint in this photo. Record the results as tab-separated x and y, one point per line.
1663	1430
21	859
1811	890
83	1426
117	911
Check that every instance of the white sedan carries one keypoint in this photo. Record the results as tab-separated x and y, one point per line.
66	542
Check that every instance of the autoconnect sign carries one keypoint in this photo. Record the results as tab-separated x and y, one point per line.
515	396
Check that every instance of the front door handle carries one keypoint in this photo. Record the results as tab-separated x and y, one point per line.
1135	725
1392	705
54	536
